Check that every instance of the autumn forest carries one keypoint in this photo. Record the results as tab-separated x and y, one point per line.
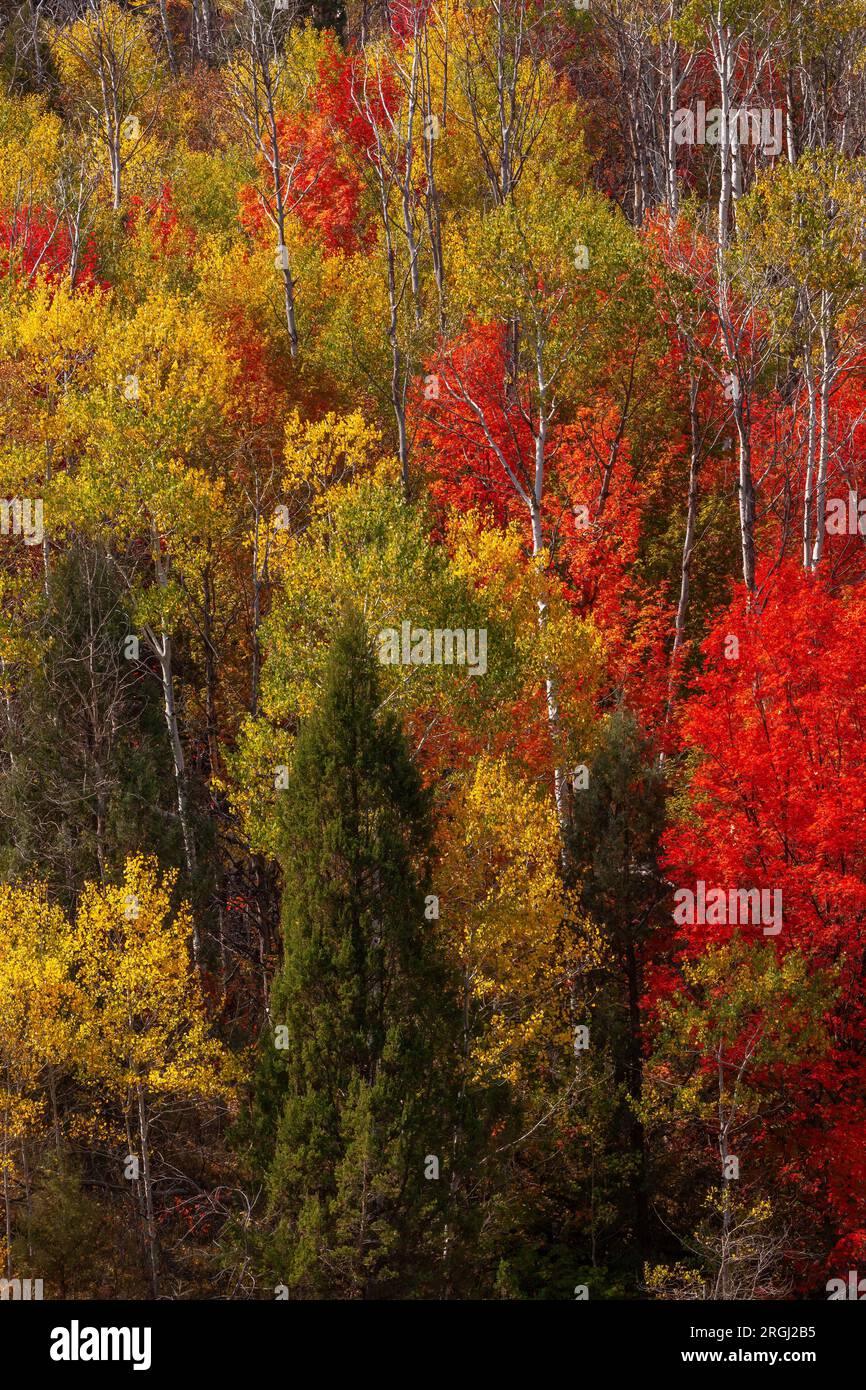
432	694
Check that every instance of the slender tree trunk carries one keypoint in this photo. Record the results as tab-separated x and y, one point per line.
691	517
166	34
7	1203
280	208
670	143
790	127
55	1114
163	654
746	493
721	1290
722	53
46	549
432	203
150	1218
824	389
28	1192
554	722
722	44
808	488
162	649
407	192
210	665
398	367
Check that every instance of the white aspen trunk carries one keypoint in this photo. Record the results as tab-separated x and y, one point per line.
746	493
147	1184
398	384
554	722
406	190
505	171
722	1278
161	647
691	520
259	579
824	388
810	460
550	685
670	143
432	204
722	53
166	34
790	131
280	213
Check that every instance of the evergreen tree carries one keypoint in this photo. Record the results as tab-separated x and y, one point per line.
63	1238
355	1113
616	827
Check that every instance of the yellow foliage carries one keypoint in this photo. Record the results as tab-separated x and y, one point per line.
326	454
146	1024
503	908
36	994
112	996
30	138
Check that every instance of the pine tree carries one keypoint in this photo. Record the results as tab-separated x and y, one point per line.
616	824
355	1111
63	1238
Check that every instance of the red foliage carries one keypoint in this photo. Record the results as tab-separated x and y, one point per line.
778	800
159	219
38	242
464	414
327	146
473	428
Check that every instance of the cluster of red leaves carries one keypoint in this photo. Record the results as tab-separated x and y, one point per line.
158	220
778	801
38	242
465	416
407	17
470	425
326	146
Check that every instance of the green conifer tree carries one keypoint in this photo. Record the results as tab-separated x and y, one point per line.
354	1113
